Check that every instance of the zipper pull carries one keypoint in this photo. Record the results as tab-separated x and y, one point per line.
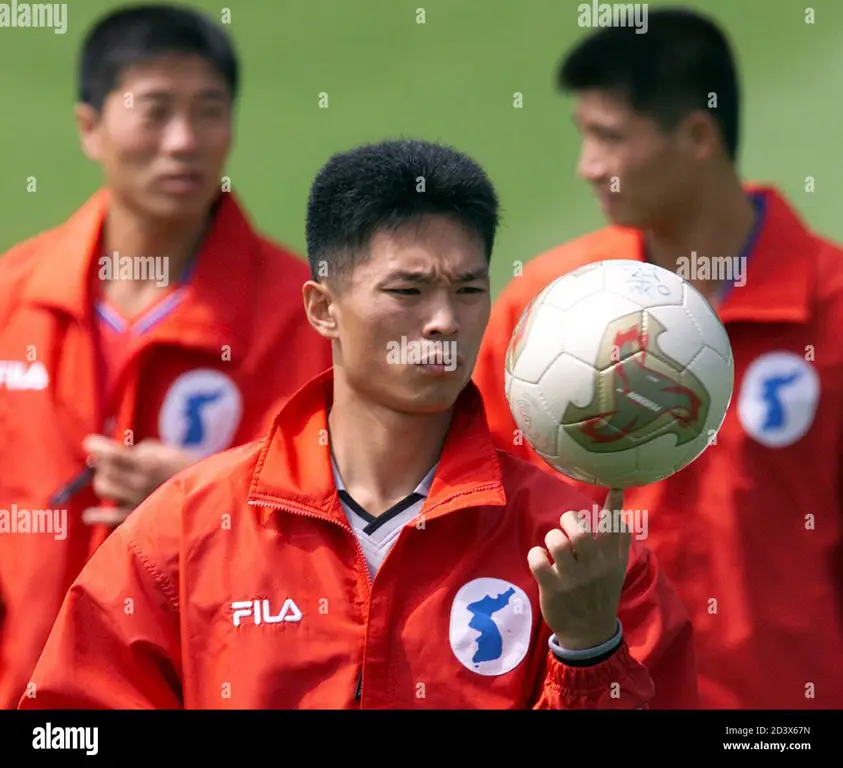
358	690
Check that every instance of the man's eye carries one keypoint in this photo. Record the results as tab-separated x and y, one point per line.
212	111
472	289
403	291
610	137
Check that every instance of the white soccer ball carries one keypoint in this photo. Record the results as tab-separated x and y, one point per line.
619	374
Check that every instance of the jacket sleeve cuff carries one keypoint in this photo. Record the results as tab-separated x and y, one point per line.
620	682
587	656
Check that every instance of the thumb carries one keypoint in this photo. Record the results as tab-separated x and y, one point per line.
541	568
105	514
614	500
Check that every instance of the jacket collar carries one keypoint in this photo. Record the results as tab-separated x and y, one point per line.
294	471
778	267
214	314
422	489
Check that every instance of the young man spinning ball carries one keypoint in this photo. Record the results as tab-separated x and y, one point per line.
376	550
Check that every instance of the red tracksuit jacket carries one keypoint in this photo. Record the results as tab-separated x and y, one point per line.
156	619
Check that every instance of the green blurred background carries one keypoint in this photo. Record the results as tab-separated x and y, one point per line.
450	79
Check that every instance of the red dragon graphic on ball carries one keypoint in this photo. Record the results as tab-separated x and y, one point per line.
639	392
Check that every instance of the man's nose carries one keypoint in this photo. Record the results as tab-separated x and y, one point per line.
590	166
443	320
180	136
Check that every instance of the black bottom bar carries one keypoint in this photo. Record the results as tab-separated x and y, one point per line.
544	738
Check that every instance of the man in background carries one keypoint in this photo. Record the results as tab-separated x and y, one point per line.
750	533
153	328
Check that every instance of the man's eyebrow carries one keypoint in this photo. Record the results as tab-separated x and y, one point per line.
427	277
208	93
409	277
469	277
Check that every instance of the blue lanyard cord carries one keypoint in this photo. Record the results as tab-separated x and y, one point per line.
760	207
759	203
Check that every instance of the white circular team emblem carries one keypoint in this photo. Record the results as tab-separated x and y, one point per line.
491	626
779	397
201	412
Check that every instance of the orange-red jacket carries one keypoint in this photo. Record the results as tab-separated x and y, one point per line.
150	623
750	533
237	344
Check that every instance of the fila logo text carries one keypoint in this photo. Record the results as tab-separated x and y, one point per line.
260	611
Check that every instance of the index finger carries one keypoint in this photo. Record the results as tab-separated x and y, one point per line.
616	531
104	448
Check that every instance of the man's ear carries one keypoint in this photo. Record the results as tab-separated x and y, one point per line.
88	127
320	307
700	136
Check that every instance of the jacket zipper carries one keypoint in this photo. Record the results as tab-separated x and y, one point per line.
358	688
86	475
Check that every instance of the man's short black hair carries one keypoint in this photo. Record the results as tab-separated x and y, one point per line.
138	34
666	73
380	187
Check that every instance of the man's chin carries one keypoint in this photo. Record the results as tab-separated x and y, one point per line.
167	207
619	218
433	394
616	213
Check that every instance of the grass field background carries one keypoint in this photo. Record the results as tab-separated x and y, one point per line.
450	79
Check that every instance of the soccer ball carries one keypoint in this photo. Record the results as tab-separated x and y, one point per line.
619	374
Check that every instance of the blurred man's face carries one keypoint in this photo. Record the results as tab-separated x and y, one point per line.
410	318
637	171
163	136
